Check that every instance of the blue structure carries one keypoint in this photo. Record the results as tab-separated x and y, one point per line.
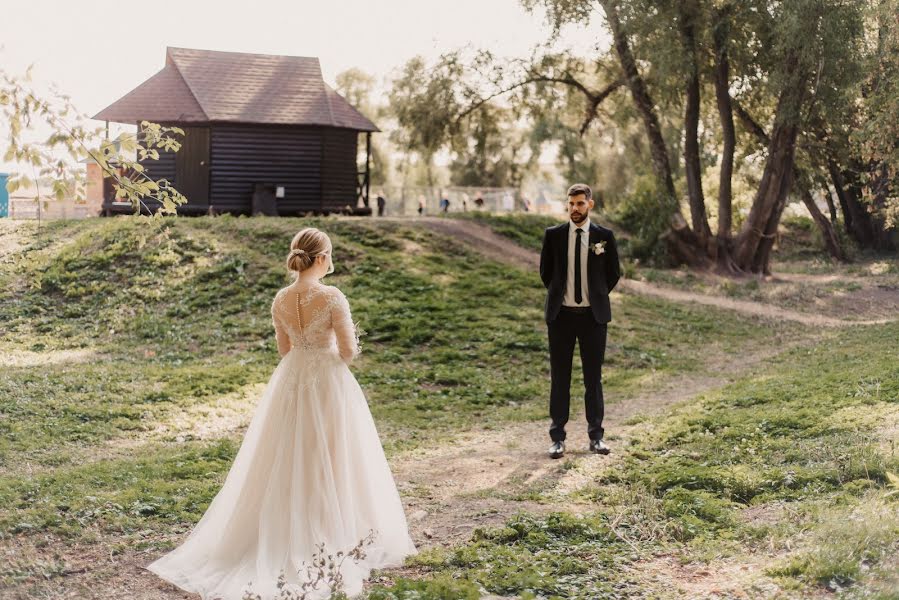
4	195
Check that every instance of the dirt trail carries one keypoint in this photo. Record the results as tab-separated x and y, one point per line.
479	478
484	240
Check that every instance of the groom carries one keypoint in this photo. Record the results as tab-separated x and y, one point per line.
579	267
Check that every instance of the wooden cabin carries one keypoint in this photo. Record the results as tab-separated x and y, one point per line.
254	124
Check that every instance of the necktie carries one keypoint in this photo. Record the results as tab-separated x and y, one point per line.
578	297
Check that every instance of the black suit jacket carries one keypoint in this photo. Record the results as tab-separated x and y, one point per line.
603	270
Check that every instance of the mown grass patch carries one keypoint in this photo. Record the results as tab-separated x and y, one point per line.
172	315
524	229
554	557
770	437
788	461
160	487
849	545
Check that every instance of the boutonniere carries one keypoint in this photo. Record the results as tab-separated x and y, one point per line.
598	248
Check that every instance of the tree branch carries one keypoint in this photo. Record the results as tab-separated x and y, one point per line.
595	98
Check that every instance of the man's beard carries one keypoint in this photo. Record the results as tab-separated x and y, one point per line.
580	218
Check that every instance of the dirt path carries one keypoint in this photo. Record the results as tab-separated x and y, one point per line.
480	478
494	246
12	237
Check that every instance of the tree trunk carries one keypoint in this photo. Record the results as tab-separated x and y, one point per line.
728	133
692	163
831	207
859	224
684	245
726	115
757	235
780	189
831	241
645	106
836	178
879	185
829	235
753	247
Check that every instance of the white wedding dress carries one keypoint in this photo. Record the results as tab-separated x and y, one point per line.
310	471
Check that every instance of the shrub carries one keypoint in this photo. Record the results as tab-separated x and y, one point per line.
642	215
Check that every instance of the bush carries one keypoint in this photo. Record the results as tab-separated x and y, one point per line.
642	215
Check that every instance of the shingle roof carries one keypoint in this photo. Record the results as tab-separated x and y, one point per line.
208	86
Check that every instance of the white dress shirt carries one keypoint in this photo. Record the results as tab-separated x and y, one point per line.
568	298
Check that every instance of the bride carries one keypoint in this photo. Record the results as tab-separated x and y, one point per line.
310	473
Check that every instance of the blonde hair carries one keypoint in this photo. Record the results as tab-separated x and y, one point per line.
306	245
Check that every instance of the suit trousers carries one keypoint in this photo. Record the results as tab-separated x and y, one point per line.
576	324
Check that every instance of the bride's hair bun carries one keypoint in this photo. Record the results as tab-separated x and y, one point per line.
305	246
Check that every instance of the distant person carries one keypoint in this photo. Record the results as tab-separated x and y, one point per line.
465	198
444	204
526	204
421	205
382	204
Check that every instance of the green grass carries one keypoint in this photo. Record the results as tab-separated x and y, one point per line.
162	486
799	251
801	436
167	317
557	556
772	436
524	229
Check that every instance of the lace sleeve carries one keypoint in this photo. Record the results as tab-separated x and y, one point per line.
342	321
280	331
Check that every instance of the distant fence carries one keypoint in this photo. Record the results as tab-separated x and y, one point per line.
400	201
29	208
405	200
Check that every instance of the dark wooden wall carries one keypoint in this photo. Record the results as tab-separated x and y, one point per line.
339	169
244	155
316	165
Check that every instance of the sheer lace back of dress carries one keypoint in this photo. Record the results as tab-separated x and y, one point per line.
316	318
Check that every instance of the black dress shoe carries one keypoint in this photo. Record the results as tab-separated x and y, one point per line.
599	447
557	450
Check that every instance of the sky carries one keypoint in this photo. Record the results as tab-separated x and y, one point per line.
98	51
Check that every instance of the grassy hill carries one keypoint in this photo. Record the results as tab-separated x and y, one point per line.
133	351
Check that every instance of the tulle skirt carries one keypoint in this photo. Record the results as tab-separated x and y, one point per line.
310	473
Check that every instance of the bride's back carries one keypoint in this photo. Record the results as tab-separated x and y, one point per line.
314	317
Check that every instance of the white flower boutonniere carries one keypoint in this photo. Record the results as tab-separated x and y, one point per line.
598	248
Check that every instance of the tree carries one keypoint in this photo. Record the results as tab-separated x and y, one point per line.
72	139
358	87
869	187
424	100
454	105
795	60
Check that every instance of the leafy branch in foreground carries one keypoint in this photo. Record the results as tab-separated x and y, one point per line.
325	570
73	139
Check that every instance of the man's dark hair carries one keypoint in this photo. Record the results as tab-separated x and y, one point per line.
580	188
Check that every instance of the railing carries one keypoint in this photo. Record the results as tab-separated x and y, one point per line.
404	200
31	209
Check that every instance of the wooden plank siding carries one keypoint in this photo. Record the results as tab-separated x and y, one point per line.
316	165
244	155
339	169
